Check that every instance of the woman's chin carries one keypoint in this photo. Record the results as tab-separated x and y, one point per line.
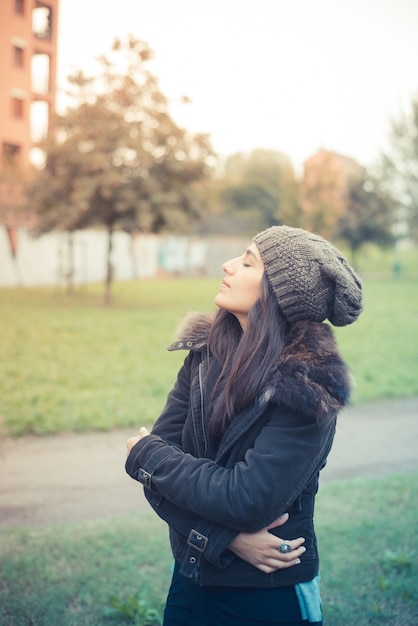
218	300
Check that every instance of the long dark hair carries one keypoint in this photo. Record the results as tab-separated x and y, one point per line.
246	357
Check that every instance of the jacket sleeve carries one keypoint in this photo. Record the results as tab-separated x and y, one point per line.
171	421
217	538
287	453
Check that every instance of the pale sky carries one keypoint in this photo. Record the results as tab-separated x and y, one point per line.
289	75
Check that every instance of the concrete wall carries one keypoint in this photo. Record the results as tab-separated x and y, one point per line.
45	261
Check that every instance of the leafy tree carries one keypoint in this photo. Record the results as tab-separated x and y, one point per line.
398	168
258	190
117	159
252	205
368	215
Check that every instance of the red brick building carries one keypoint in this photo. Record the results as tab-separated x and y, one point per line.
28	53
324	189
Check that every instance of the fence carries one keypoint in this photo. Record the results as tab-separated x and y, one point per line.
26	261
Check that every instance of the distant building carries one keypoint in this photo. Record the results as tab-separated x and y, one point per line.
324	189
28	53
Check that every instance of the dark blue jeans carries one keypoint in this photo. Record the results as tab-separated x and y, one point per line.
191	605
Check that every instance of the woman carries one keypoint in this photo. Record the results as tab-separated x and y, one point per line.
232	463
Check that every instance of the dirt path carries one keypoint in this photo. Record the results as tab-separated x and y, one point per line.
82	476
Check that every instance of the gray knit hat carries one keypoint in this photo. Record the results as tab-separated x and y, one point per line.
310	278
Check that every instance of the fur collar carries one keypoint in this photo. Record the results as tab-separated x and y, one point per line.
308	377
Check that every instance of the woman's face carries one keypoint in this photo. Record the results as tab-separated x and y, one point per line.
241	286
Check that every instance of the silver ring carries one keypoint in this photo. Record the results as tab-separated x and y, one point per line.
285	548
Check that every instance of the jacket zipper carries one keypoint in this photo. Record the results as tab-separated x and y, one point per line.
202	412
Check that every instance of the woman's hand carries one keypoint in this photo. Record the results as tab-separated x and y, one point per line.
261	549
143	432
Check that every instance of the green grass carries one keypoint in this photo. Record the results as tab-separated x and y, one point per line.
368	545
65	574
381	347
67	363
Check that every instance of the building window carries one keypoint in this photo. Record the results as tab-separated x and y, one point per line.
40	73
19	7
39	116
18	56
42	21
37	158
10	155
17	107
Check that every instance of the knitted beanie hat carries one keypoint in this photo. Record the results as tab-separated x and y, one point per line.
310	278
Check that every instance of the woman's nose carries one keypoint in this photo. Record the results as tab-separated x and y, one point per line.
228	267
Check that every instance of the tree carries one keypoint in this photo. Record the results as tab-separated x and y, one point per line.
398	168
258	190
117	159
368	215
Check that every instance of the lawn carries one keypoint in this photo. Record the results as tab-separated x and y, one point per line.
66	574
67	363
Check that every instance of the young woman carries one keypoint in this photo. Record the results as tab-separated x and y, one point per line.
232	463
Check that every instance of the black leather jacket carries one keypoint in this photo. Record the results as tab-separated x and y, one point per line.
267	462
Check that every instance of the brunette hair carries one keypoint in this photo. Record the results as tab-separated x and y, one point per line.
246	358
